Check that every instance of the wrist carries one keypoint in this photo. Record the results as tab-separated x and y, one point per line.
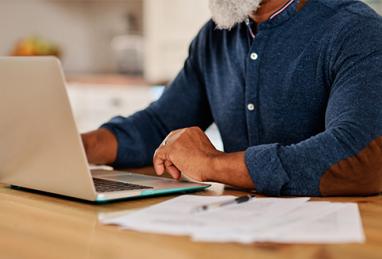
216	166
231	169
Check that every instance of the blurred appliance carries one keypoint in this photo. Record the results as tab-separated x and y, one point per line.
128	53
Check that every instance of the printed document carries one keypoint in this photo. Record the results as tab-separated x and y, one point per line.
282	220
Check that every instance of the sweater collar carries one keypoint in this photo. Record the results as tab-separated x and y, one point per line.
282	9
282	15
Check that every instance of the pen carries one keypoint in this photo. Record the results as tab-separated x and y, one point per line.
237	200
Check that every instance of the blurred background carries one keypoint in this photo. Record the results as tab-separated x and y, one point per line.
117	54
136	37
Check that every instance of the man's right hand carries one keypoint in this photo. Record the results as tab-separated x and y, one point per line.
100	146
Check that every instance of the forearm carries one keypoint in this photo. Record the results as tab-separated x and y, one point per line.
137	136
100	146
230	169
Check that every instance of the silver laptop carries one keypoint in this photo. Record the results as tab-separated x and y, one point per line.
41	149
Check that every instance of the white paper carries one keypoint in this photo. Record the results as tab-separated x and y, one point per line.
341	226
258	220
170	217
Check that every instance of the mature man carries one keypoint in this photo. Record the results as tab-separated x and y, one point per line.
295	89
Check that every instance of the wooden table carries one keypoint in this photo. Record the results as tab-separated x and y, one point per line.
38	226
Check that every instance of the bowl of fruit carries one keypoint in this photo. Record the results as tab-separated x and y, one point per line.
36	46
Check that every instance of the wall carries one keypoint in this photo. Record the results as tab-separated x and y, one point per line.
84	29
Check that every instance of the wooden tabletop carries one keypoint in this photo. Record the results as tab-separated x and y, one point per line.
39	226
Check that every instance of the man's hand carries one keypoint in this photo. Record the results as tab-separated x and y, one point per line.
100	146
186	150
190	152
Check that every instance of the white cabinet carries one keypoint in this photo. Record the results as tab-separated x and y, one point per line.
95	104
169	27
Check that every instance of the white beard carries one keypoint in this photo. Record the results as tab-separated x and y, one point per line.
227	13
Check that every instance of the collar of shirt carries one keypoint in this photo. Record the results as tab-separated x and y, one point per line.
283	14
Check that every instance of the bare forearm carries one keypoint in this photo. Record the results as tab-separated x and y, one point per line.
100	146
230	169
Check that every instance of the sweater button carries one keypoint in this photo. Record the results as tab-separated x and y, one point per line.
254	56
251	107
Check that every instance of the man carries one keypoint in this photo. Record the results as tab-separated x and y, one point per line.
294	87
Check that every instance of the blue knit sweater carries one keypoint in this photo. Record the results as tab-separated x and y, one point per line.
302	99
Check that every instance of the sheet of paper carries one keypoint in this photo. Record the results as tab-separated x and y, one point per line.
341	226
170	217
176	216
283	220
271	230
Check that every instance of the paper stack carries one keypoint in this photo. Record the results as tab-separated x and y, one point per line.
282	220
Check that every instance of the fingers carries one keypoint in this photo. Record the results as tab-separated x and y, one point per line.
163	164
158	161
172	170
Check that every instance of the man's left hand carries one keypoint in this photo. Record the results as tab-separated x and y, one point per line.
187	151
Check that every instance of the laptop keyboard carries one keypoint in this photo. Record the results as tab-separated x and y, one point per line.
103	185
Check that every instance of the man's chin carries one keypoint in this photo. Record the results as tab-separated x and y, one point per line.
228	13
224	25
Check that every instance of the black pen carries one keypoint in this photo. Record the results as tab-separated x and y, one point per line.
237	200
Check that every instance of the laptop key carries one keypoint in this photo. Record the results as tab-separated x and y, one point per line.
103	185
